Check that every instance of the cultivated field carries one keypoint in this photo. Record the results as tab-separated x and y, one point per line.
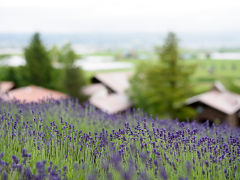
209	71
64	140
206	72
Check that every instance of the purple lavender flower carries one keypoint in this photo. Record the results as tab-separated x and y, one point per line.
27	174
15	159
4	176
1	155
206	162
163	173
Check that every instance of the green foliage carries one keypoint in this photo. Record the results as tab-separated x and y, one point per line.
73	78
137	91
162	88
4	71
231	85
39	70
14	74
67	56
38	65
3	56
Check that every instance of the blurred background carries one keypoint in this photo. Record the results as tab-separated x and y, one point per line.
150	54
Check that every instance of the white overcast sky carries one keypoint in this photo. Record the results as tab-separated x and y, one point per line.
66	16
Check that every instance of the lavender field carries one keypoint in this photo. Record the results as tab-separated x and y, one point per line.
64	140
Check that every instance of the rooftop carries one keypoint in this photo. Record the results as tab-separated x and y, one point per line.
33	94
111	104
117	81
97	89
219	98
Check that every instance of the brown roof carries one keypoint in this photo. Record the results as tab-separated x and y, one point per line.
111	104
117	81
218	98
34	94
5	86
95	90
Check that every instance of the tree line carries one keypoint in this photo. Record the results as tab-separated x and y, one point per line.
160	88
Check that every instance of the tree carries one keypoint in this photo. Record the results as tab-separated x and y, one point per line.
161	88
74	81
38	65
74	78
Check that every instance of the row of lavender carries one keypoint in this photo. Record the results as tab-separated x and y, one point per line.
64	140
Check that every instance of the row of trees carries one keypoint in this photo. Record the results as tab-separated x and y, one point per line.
39	69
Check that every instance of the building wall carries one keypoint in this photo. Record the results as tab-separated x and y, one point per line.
233	120
237	119
211	114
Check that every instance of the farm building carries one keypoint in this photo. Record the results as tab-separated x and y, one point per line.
107	92
218	105
33	94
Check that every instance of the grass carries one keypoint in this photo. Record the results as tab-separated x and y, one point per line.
209	71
